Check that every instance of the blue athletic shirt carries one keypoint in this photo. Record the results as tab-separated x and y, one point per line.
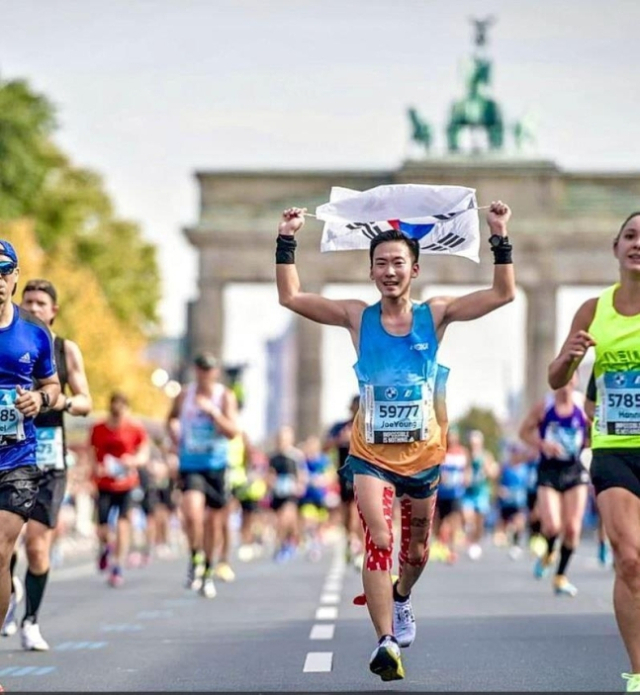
513	485
26	354
202	447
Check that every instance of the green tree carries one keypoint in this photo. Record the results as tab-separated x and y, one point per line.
485	421
27	154
72	210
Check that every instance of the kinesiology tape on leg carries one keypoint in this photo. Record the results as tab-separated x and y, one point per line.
378	558
405	534
405	539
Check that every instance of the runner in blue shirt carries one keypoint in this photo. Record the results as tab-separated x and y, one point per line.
28	384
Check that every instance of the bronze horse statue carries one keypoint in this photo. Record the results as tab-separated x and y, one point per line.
476	110
422	132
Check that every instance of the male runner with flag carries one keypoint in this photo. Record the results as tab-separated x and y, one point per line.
397	442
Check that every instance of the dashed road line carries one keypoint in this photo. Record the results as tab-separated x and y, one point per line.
326	613
18	671
322	662
68	646
318	662
122	627
322	632
330	599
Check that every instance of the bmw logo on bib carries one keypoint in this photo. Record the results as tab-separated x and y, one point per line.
619	379
391	393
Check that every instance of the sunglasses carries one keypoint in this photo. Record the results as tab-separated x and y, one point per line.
7	267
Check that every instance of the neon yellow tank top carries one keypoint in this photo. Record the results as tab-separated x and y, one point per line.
237	473
617	370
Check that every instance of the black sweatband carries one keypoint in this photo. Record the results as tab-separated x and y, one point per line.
286	249
502	254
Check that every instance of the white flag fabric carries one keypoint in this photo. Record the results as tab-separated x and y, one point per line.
444	219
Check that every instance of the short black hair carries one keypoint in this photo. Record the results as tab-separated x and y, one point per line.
40	285
395	235
624	224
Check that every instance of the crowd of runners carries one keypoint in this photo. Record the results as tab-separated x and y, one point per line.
198	486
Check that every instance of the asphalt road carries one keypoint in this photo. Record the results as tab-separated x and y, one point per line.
482	626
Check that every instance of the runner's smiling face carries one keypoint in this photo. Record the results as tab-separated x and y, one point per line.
393	269
627	246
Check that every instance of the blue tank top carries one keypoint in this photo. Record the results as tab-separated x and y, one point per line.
478	484
26	354
532	474
570	431
452	470
396	375
202	447
513	484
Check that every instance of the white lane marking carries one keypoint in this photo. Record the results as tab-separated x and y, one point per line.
318	662
326	613
322	632
332	586
330	599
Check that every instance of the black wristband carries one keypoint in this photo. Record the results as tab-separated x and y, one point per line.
502	254
286	249
501	249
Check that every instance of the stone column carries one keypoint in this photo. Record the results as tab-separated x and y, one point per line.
541	339
309	375
206	329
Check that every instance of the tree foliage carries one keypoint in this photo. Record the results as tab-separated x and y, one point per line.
72	210
485	421
26	152
65	229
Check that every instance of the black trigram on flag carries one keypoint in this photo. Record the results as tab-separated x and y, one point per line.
369	229
450	241
447	215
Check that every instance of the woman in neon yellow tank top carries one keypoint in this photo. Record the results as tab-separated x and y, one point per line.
611	324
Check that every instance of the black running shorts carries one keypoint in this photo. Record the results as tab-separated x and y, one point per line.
616	468
18	490
50	495
562	476
213	485
447	507
509	511
122	501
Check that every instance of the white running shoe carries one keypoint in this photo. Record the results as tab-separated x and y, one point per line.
31	638
474	551
208	587
386	660
195	575
10	626
404	623
245	553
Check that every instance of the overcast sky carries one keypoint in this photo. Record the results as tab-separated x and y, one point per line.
148	91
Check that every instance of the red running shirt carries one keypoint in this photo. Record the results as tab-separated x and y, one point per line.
125	439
